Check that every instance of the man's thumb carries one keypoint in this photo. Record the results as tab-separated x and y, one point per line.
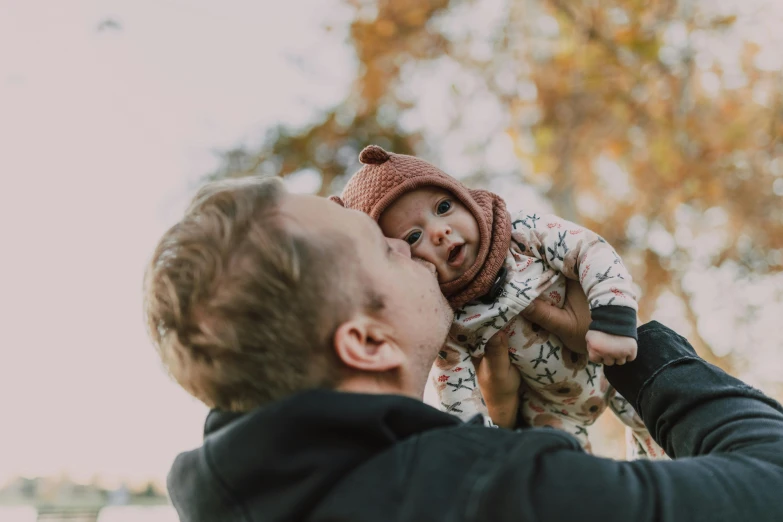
496	353
498	344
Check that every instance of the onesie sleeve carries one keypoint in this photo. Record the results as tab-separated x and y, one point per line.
582	255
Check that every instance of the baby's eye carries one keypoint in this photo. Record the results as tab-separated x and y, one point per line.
413	237
444	206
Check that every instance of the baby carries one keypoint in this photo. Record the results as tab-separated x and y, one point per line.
491	266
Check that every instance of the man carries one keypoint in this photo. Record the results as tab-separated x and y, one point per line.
312	336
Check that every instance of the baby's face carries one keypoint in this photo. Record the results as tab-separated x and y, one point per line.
438	228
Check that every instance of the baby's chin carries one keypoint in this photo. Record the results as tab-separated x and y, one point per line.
455	274
451	274
450	277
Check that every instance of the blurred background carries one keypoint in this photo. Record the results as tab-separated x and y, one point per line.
659	124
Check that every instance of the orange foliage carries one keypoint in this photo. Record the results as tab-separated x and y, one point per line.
609	85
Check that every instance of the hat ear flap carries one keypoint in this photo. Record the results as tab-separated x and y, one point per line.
337	200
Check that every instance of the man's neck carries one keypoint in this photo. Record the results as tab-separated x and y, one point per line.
376	385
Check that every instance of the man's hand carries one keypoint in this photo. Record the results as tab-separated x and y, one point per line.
569	323
608	349
499	381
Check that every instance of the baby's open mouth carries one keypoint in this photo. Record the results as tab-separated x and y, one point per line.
456	255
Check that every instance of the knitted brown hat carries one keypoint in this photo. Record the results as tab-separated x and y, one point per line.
386	176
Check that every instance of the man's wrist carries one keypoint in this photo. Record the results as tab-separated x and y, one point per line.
657	347
504	412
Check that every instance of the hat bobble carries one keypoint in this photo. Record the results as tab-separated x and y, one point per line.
373	155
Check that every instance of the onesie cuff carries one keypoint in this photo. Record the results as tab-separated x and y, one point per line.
615	320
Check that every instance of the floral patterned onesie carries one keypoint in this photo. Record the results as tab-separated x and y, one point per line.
561	389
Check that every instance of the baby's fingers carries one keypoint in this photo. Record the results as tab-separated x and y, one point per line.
594	357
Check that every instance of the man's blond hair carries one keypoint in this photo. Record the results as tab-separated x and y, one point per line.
241	305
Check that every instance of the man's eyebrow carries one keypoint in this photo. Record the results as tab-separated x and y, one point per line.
383	239
385	244
378	232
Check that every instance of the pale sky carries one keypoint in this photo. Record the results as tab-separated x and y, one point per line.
103	137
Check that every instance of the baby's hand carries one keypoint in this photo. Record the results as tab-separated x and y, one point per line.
608	349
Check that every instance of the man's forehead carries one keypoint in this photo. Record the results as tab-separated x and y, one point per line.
318	212
369	226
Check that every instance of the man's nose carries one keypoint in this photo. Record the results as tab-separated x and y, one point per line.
400	246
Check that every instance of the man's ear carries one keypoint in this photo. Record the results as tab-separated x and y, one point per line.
366	344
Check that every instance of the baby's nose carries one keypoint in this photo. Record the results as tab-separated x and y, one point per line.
439	233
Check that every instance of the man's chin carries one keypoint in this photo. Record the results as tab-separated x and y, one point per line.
429	266
449	312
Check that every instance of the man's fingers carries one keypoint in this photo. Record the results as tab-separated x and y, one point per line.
546	316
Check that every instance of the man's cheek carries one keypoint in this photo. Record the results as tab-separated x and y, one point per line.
418	255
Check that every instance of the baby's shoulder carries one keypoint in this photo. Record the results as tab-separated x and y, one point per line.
527	219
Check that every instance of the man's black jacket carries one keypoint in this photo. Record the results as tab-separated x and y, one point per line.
331	456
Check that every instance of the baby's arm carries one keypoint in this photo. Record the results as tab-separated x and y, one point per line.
582	255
